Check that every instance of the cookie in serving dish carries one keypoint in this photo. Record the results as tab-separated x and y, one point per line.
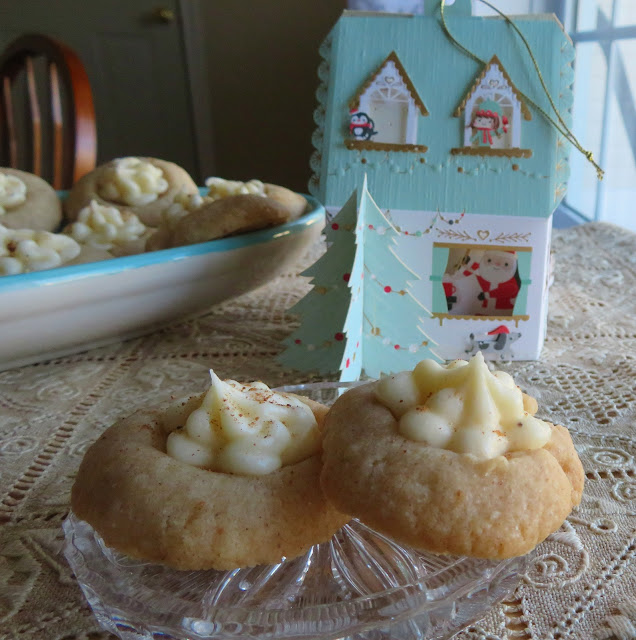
106	228
219	219
145	187
450	459
221	188
28	202
221	480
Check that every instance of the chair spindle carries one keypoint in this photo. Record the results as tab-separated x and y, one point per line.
58	126
10	122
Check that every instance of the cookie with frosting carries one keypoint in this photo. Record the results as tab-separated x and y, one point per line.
450	459
27	250
106	228
221	188
220	218
28	202
145	187
221	480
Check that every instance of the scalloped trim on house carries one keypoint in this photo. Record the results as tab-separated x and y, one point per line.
317	139
565	101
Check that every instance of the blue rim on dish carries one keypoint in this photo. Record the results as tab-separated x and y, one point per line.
126	263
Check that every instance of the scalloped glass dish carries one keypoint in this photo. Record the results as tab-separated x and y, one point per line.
361	584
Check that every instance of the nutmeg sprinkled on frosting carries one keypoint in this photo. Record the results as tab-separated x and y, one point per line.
245	429
462	407
25	250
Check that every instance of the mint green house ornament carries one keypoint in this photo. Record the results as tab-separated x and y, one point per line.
461	160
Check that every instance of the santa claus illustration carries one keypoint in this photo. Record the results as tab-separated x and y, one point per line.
486	285
499	282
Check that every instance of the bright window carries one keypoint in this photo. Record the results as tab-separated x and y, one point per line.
391	107
604	32
604	111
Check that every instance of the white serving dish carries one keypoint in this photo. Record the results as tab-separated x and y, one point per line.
47	314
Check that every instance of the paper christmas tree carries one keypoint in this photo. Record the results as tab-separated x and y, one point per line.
351	363
393	340
358	317
320	342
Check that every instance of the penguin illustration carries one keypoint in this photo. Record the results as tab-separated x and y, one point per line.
361	127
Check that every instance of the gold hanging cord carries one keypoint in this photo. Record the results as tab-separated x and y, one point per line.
560	126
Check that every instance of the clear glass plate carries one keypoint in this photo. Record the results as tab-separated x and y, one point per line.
360	585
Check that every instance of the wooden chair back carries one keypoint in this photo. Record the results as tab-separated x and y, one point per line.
47	117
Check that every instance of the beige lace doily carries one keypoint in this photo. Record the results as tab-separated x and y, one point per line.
581	585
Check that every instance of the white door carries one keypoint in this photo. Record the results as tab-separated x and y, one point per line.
134	54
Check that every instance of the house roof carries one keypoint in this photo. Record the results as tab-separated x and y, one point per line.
428	175
392	57
494	60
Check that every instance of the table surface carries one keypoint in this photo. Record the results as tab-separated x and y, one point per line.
582	583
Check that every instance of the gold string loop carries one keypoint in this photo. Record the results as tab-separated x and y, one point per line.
561	125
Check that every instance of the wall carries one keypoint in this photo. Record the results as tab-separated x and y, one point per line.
262	57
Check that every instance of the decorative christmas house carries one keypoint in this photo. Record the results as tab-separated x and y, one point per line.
463	165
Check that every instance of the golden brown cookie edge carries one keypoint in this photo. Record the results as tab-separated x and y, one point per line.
431	498
197	533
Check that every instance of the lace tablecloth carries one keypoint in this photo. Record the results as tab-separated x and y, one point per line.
582	583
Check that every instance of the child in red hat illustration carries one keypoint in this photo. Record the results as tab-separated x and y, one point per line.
486	121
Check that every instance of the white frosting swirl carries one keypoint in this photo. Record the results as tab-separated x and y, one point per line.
13	192
245	429
132	181
220	188
184	202
24	250
462	407
105	227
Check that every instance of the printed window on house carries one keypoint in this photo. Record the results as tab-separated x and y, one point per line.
473	280
506	134
384	113
391	107
492	113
